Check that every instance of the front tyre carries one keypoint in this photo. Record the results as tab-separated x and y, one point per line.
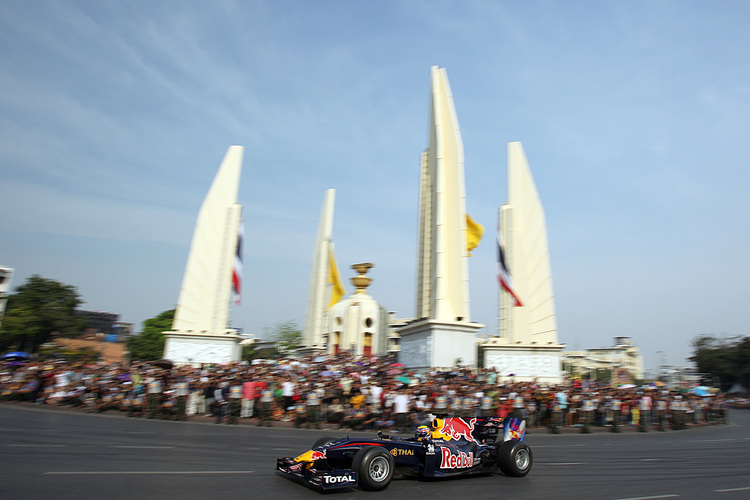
374	466
514	458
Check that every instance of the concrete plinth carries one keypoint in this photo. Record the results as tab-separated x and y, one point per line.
439	344
524	362
195	348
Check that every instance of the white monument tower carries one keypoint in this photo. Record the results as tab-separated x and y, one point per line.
443	334
527	346
326	288
200	331
6	277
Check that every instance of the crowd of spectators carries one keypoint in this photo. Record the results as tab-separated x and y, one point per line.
358	393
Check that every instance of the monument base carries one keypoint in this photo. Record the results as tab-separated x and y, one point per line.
438	344
188	348
523	362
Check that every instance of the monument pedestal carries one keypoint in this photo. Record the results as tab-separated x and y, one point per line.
438	344
523	362
189	348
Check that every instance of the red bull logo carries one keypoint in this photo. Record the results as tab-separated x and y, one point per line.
453	428
516	429
311	456
460	461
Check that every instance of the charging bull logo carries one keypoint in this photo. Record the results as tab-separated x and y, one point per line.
460	461
453	428
515	429
311	456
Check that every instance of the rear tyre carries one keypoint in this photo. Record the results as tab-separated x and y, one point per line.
514	458
374	467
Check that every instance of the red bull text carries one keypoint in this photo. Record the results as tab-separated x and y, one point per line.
460	461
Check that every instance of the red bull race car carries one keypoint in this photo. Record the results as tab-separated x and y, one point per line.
449	447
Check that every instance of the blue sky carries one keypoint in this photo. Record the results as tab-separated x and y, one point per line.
114	117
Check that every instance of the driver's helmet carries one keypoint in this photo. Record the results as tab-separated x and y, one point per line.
422	432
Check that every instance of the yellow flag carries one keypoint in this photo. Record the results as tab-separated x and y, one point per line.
334	279
474	233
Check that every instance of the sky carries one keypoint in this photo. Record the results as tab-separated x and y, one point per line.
634	116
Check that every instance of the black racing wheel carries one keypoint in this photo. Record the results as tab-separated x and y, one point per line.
374	466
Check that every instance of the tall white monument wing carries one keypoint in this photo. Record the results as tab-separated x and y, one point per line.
442	334
524	230
442	282
319	295
203	305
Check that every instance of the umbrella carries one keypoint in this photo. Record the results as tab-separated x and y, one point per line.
398	365
627	386
15	356
163	363
701	390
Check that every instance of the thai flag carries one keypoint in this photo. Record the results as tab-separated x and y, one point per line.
237	269
503	274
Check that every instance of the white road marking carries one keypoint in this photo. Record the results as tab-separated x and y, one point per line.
560	463
150	472
144	447
733	489
36	445
650	498
710	440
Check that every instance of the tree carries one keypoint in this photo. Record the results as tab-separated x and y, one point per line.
149	344
286	334
728	359
37	309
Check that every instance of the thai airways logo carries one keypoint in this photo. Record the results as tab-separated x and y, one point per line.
400	452
458	461
454	428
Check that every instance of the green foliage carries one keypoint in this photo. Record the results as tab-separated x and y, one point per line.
604	375
149	344
728	359
249	352
287	335
37	309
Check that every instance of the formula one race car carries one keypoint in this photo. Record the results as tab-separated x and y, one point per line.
450	447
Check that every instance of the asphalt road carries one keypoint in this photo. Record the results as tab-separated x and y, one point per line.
62	454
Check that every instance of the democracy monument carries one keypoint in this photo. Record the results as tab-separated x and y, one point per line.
441	334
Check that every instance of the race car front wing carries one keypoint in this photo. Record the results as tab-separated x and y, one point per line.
321	480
